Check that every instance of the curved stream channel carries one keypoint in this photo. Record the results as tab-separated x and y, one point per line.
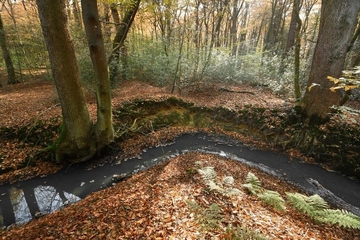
22	201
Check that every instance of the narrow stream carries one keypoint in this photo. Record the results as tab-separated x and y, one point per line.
23	201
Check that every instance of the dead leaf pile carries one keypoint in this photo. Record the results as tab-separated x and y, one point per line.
153	205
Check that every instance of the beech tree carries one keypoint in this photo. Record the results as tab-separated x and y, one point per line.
337	24
6	54
104	131
120	37
80	139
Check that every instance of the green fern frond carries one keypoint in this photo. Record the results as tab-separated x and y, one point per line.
301	203
317	208
208	218
309	205
273	199
253	184
341	217
241	233
317	202
252	179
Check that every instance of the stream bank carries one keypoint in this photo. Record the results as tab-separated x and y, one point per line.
334	144
29	199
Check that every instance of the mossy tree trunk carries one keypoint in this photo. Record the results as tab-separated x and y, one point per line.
120	37
77	140
6	54
337	24
103	128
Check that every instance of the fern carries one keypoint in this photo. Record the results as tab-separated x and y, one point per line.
308	205
273	199
224	187
240	233
198	164
253	184
341	217
318	202
300	203
208	173
228	181
208	218
318	209
213	186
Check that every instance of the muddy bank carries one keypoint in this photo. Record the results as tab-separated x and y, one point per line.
335	144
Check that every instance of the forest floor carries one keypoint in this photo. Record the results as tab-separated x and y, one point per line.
155	204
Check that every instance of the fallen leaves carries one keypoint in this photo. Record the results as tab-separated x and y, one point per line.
152	205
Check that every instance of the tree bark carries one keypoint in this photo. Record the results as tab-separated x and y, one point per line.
76	141
6	54
272	35
290	42
297	47
337	24
119	39
234	26
103	127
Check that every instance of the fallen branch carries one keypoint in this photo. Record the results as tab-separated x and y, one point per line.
229	90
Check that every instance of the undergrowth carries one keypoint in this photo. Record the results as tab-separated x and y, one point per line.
213	217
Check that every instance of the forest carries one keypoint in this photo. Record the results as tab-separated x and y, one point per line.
180	119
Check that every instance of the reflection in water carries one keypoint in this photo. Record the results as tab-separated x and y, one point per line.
20	206
49	199
38	201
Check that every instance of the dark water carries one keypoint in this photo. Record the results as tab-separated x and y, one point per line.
23	201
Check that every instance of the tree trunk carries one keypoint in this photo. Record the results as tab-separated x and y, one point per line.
6	54
290	42
243	31
337	24
76	141
297	47
233	26
103	127
115	14
76	12
272	37
119	39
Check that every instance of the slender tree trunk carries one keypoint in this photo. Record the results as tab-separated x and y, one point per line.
297	46
270	37
275	23
6	54
76	141
197	40
233	28
293	26
115	14
243	30
119	39
337	24
223	5
103	127
106	25
76	12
